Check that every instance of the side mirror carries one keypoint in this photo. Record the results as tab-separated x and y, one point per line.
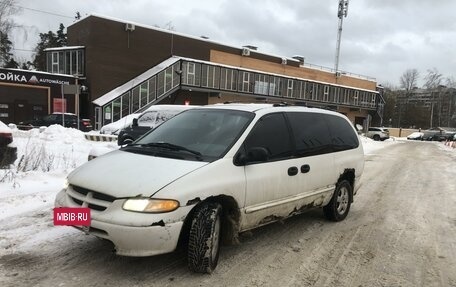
135	122
254	155
359	127
257	154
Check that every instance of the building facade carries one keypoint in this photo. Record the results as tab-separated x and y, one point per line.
426	108
127	67
26	95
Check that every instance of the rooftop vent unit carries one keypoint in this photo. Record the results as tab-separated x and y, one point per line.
129	27
299	58
245	52
284	61
253	48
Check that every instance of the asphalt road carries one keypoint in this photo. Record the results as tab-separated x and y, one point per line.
401	231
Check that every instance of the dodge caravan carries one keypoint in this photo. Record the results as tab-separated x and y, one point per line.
209	173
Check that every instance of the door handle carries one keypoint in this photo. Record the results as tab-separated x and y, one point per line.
305	168
293	171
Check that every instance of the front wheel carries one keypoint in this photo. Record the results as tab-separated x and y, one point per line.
339	206
204	238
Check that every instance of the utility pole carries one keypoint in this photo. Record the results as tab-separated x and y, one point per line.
341	13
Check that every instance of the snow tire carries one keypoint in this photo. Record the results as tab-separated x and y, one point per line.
204	238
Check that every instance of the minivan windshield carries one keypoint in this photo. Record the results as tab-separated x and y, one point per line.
199	134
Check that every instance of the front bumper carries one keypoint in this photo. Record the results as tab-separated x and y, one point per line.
128	230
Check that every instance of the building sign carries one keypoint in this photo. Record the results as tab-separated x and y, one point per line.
28	77
59	105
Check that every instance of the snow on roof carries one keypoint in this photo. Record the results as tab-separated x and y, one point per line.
64	48
106	98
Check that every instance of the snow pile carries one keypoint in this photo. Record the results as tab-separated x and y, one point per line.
54	148
370	146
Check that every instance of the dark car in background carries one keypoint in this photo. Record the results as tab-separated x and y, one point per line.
70	121
8	153
439	134
150	119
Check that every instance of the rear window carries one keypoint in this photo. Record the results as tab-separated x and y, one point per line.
316	133
311	133
343	136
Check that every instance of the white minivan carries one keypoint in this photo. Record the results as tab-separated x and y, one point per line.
209	173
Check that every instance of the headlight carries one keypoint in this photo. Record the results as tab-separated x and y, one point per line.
150	205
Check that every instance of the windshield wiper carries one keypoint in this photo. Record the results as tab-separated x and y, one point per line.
169	146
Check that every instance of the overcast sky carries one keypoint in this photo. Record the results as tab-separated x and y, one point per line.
380	39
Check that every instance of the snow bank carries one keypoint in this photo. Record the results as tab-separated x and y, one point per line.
370	146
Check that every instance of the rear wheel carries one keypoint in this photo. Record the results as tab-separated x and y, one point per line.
376	137
204	238
339	206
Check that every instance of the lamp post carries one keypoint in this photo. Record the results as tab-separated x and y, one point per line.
341	13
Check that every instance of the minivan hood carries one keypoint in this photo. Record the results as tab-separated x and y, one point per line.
126	174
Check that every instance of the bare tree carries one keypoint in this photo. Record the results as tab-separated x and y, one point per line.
409	79
450	82
7	8
433	79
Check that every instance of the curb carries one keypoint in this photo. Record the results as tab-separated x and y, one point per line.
100	138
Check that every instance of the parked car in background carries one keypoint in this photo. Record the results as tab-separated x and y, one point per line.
439	134
115	127
149	119
70	121
378	133
415	136
8	153
212	172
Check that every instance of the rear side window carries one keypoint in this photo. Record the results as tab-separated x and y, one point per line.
311	133
343	137
271	132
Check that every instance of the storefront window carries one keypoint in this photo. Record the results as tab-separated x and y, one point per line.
144	93
135	99
152	87
125	104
